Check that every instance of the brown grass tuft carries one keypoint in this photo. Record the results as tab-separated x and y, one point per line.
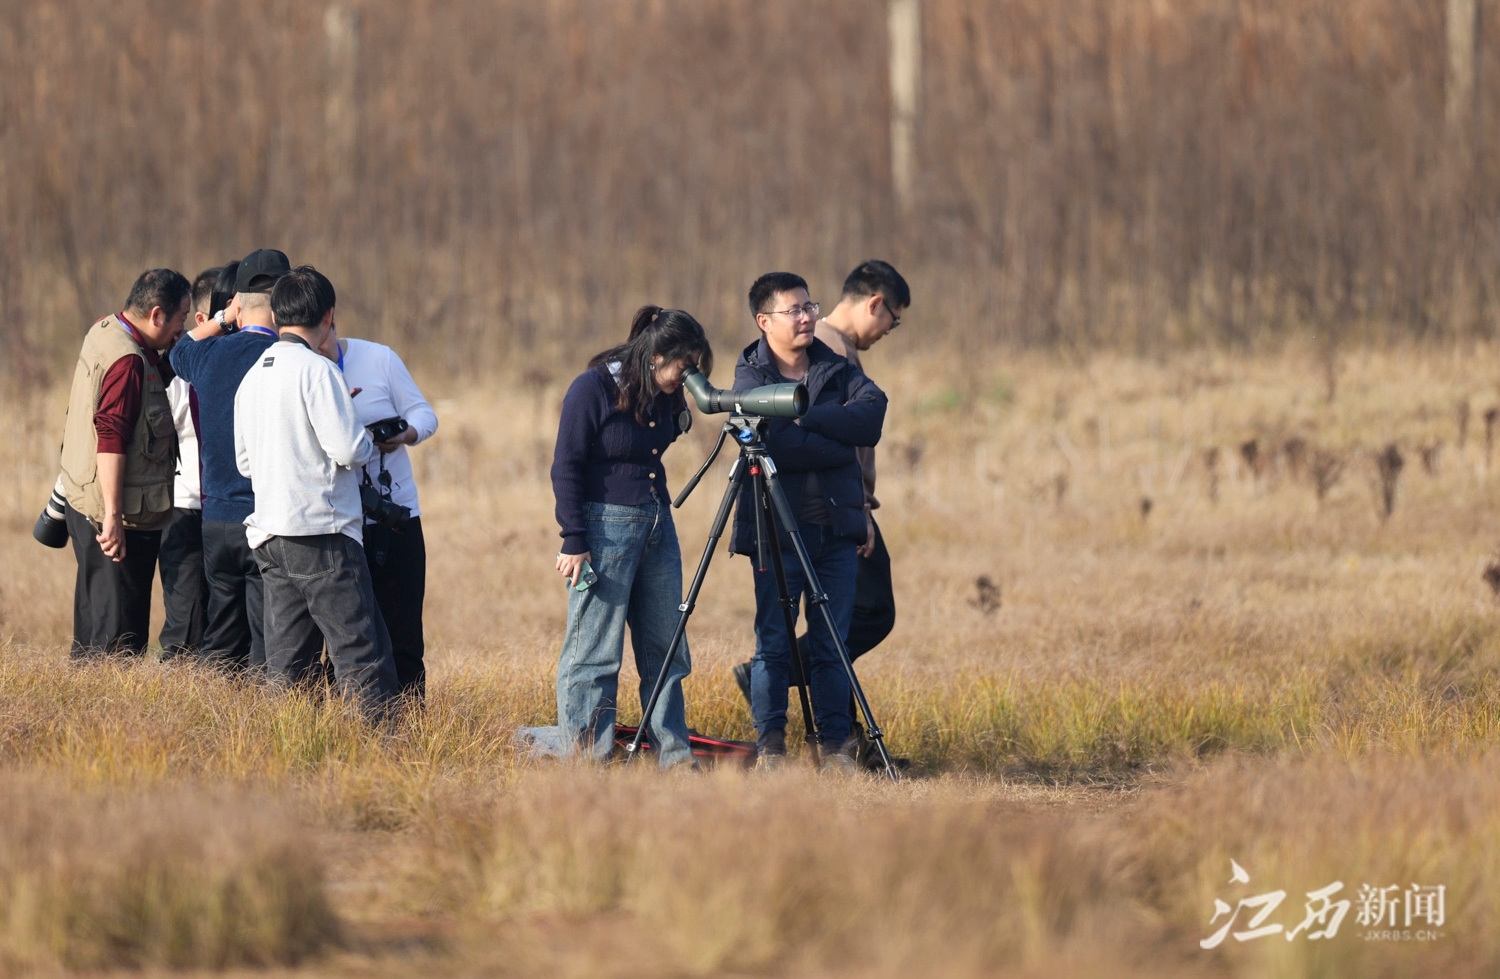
170	878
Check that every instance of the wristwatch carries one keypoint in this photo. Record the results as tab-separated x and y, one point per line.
226	327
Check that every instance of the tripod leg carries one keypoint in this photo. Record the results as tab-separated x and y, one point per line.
789	613
782	512
736	477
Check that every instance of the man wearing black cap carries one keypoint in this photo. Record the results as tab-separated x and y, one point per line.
219	355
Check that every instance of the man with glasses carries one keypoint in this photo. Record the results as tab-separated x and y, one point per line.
820	474
874	298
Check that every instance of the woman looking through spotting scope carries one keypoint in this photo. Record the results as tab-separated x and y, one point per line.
619	557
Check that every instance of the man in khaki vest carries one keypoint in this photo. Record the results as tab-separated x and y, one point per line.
119	460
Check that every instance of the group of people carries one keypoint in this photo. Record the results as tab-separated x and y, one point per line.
238	455
232	453
619	551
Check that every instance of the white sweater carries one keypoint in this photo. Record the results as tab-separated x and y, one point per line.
386	390
186	492
299	440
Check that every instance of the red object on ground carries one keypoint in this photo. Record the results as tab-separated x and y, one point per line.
713	749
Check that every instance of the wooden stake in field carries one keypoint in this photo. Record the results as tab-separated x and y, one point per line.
1463	21
340	106
906	79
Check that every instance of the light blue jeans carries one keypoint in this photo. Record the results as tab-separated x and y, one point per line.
633	550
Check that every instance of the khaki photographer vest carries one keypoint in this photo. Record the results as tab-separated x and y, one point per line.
150	456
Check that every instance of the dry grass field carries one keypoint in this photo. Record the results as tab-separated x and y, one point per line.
1135	641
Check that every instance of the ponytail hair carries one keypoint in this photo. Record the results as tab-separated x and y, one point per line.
656	334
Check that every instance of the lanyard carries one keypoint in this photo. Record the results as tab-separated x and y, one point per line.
296	339
129	328
262	330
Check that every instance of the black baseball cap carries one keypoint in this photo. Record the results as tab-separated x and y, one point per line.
260	269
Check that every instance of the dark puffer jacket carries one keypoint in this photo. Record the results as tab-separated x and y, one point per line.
847	409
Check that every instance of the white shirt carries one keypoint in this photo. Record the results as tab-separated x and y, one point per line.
298	439
186	491
386	390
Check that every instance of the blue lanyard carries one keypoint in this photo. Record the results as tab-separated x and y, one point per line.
339	347
262	330
129	330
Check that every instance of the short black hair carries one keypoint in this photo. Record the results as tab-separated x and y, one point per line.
158	287
224	287
765	288
203	289
302	297
877	278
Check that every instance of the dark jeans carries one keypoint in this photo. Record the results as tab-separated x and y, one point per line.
183	587
318	588
111	602
835	562
234	633
874	602
398	569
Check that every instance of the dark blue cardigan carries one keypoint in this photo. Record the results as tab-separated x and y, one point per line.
606	456
847	409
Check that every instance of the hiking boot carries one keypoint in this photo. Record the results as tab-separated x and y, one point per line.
839	762
770	761
867	756
742	679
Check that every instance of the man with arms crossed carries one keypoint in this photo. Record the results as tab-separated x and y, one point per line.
820	475
119	458
214	362
874	298
299	441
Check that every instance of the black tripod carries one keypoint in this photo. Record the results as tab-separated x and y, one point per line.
771	511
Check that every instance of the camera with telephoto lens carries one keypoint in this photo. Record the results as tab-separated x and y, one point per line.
379	507
51	527
767	401
387	428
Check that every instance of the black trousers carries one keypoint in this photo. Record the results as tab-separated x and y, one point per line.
234	634
874	602
111	602
398	567
317	590
184	591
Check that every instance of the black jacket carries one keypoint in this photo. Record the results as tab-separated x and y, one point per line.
847	409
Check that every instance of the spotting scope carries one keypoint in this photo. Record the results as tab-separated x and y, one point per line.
768	401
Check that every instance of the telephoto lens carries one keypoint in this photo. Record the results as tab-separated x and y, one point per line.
768	401
51	527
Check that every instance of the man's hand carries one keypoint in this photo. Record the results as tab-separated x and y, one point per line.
112	537
868	547
571	565
408	437
110	467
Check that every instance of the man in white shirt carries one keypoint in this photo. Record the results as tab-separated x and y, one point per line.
184	588
397	555
299	441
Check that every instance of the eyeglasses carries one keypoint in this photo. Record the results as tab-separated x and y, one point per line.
811	309
895	320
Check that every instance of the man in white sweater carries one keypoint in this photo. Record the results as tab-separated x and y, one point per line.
299	441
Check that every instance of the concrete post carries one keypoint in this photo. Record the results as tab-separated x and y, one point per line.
906	83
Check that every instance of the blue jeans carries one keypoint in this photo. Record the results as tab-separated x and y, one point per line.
836	563
633	550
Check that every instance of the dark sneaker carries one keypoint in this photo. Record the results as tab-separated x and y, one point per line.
742	679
